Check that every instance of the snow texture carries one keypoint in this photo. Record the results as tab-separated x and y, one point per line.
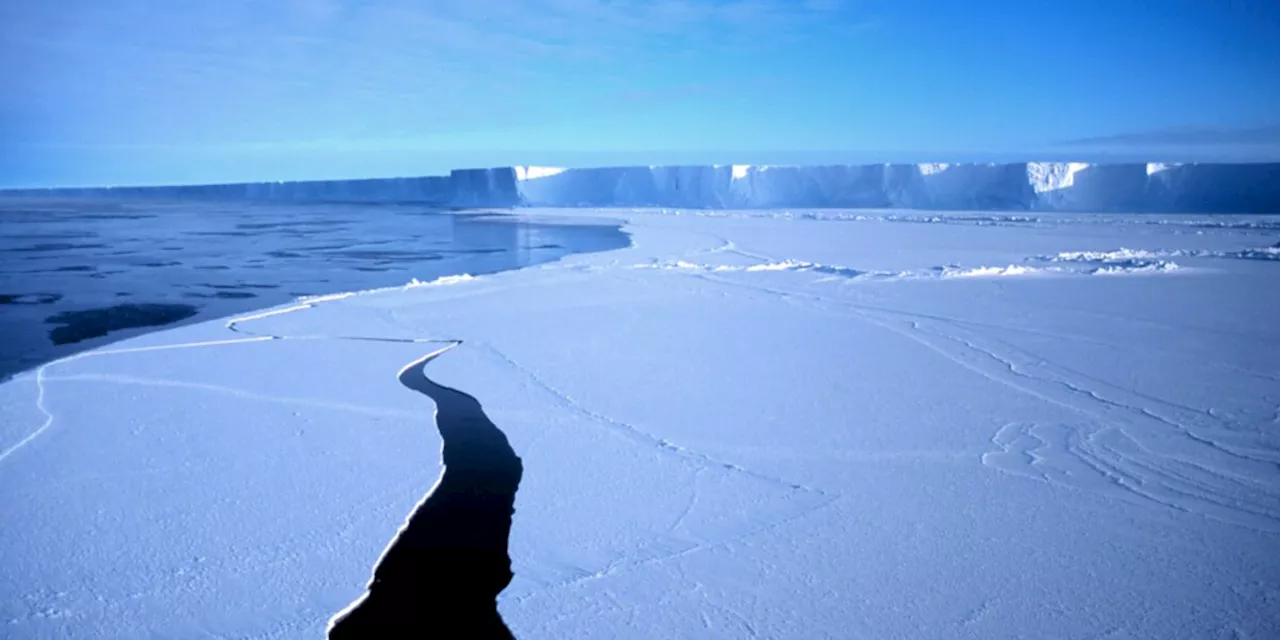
1050	186
748	424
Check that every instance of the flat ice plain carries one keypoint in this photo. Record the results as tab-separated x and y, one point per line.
775	424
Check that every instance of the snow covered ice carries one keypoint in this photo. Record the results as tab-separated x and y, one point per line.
749	423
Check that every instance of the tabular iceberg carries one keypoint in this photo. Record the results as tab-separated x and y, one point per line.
1048	186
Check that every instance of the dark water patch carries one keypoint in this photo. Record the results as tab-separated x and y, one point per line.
69	235
112	216
548	246
76	268
242	285
349	243
219	234
48	247
41	218
95	323
76	216
17	219
29	298
287	224
222	295
472	252
396	245
341	246
103	275
158	264
442	574
398	255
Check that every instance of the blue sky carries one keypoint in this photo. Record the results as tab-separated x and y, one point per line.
174	91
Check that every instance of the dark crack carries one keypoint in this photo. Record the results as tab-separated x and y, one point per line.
443	572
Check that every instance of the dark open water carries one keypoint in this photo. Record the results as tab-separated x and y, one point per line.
76	274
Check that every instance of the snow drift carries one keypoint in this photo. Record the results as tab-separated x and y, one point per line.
1051	186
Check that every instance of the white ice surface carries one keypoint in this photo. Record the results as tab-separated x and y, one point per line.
747	424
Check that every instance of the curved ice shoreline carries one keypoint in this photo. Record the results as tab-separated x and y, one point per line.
136	265
1046	186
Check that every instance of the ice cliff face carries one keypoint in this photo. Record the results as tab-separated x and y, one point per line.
1053	186
1234	188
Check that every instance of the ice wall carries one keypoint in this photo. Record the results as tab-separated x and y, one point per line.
1052	186
435	189
1213	188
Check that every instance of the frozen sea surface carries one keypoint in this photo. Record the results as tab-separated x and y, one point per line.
80	273
780	424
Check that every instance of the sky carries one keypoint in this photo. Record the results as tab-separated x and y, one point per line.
203	91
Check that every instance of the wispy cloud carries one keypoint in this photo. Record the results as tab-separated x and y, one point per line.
1262	135
168	71
515	33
